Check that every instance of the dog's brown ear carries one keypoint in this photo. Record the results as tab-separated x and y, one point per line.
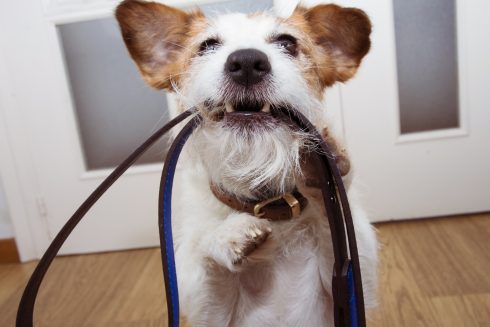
343	33
155	36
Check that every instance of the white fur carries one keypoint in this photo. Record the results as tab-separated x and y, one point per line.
244	160
286	281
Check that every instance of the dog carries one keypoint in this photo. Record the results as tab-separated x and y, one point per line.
234	267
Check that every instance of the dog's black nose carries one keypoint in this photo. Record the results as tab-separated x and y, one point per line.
248	66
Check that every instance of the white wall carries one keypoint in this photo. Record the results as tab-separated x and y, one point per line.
6	230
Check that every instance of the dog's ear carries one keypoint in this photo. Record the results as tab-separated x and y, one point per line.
344	36
155	36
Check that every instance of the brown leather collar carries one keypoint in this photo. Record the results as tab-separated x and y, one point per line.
283	207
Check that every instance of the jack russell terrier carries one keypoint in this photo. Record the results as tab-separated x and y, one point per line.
236	265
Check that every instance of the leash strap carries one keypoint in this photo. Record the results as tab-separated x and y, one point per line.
165	221
25	312
346	281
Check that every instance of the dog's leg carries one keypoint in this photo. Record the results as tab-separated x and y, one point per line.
212	258
240	239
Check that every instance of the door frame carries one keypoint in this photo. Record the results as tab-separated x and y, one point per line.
16	170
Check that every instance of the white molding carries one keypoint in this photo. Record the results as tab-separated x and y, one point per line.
136	170
431	135
75	17
71	11
463	64
66	11
17	171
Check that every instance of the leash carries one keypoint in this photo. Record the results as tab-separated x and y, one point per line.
346	280
26	306
165	222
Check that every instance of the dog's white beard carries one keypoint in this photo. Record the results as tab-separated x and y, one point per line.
252	162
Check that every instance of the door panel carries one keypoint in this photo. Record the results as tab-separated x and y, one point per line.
429	169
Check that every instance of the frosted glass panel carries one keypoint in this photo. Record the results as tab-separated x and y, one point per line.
115	110
426	47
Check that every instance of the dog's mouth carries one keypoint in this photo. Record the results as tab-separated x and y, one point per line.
250	115
254	116
242	109
248	107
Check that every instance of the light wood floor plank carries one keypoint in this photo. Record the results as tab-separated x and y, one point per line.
432	273
463	310
401	302
448	258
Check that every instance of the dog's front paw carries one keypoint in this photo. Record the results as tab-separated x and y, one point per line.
242	239
244	245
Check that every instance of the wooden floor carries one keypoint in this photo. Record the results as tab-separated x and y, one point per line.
433	273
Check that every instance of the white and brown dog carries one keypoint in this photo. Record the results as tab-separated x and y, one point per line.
234	268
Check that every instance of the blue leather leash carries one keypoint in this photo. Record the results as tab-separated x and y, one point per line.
346	281
165	221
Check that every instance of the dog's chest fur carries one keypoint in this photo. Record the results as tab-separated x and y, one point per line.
287	284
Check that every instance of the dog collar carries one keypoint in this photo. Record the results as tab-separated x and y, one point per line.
282	207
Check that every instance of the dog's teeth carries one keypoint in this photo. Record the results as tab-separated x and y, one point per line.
229	107
266	107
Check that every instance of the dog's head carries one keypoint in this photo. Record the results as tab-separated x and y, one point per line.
246	63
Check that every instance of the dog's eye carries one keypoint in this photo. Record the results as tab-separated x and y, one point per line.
288	43
209	45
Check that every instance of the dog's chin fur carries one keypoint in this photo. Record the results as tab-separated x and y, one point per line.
251	161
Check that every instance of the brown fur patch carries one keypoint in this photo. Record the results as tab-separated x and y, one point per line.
339	39
309	168
340	153
157	37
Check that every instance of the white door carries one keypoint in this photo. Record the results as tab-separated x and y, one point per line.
73	107
416	118
48	166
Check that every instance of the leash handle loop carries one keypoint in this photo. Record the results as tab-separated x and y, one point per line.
25	311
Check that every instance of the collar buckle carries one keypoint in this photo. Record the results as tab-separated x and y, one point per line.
290	199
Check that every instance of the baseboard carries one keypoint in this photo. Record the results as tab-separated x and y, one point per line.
8	251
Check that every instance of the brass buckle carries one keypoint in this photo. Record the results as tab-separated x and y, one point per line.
288	197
